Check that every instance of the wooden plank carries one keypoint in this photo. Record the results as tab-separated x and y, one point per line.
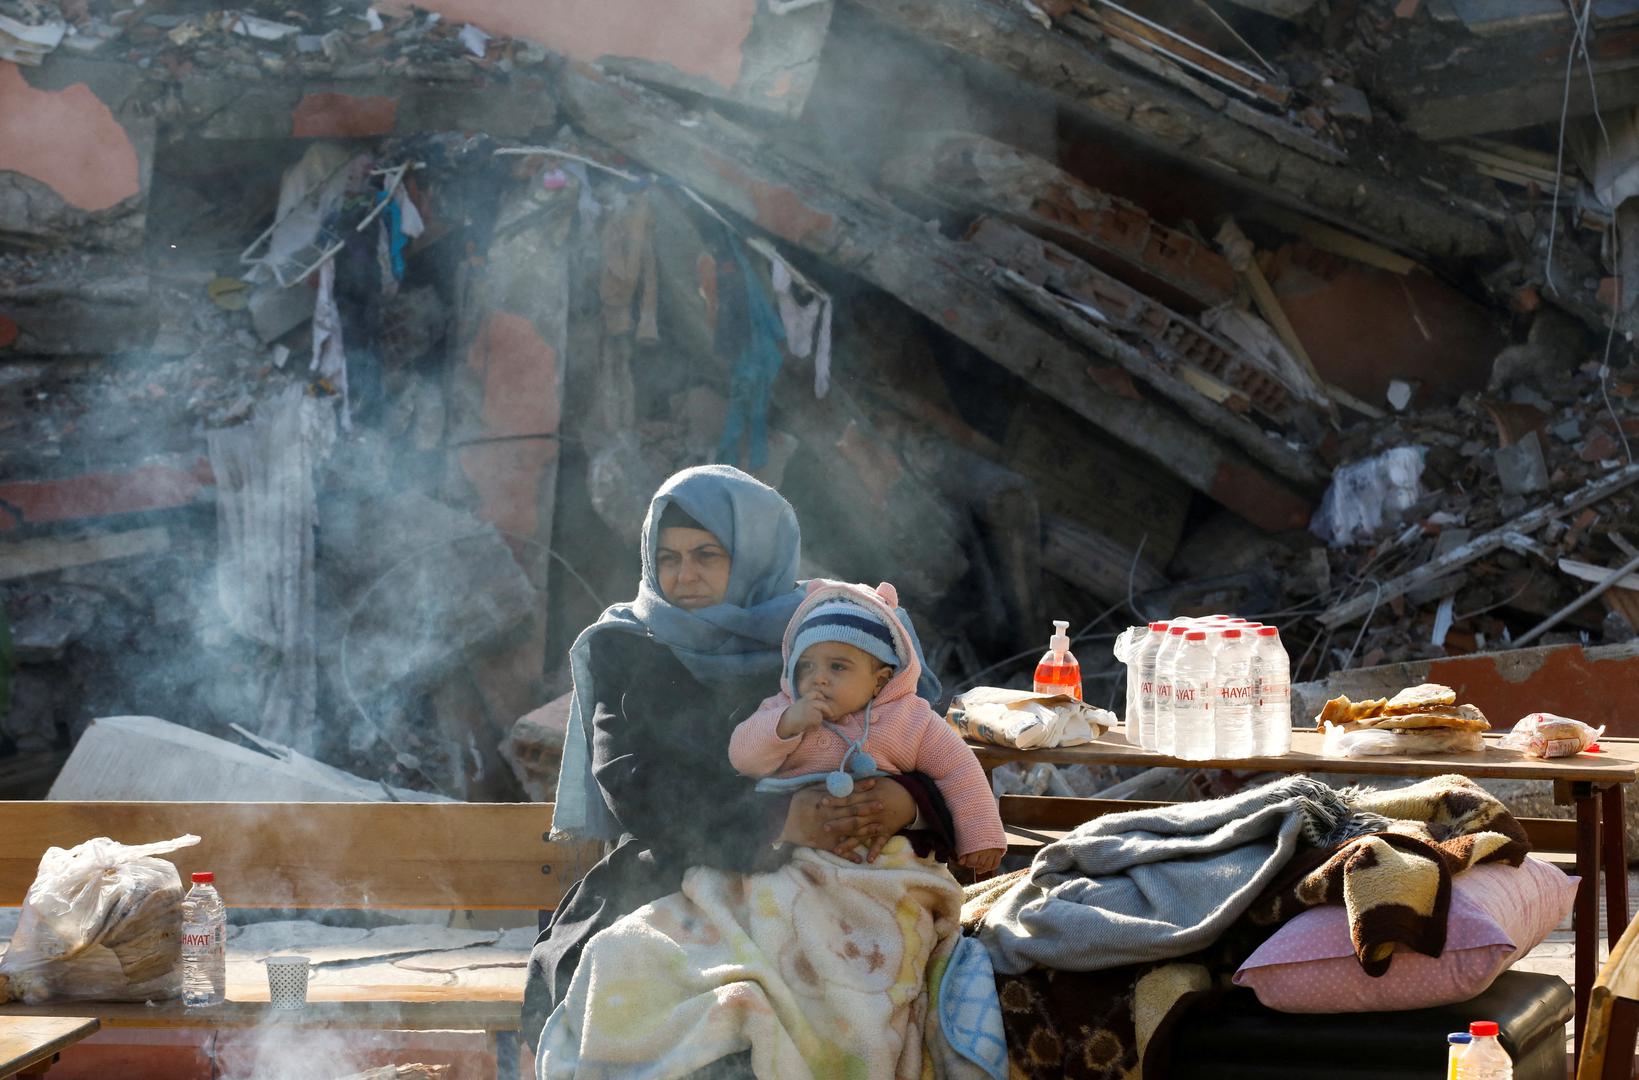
1138	31
323	855
1340	242
30	1040
43	555
384	1008
1619	764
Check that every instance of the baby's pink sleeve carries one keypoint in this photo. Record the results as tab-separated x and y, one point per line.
755	748
947	759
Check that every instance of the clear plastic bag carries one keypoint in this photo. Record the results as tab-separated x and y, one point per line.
1544	735
1026	720
102	922
1341	742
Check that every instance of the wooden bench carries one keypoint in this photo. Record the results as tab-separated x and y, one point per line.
325	856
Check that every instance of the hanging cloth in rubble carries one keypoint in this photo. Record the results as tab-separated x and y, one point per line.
751	381
266	515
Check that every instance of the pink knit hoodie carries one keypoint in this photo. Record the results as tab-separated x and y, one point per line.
906	734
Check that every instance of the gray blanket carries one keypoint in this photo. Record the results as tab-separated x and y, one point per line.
1150	885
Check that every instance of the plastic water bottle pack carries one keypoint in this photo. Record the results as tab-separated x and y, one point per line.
1213	687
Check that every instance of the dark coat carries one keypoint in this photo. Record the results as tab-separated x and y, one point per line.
660	756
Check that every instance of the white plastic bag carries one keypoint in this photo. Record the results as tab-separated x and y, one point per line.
1365	495
102	922
1026	720
1544	735
1341	742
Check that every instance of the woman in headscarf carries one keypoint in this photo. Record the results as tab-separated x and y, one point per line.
660	684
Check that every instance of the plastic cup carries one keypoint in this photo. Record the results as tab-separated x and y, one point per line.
287	979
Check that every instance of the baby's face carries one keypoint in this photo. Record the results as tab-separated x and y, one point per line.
843	675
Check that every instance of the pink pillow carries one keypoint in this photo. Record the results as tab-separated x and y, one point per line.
1497	914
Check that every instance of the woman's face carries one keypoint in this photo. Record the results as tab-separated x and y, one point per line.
693	568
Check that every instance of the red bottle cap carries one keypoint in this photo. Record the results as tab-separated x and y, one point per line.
1235	634
1157	627
1268	631
1195	635
204	877
1481	1028
1179	631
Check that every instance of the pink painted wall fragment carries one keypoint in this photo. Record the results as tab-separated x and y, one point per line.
68	140
703	38
519	373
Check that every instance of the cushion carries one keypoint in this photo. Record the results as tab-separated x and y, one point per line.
1498	914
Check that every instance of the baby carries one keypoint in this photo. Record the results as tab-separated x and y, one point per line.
848	708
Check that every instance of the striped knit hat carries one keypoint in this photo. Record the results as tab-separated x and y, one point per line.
845	621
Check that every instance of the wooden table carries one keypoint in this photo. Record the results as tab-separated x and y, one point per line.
1592	783
30	1044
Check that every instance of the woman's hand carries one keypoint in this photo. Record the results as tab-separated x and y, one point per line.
877	809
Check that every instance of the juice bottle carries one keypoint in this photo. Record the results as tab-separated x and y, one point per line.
1058	672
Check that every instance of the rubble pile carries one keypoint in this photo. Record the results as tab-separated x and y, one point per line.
1486	464
341	346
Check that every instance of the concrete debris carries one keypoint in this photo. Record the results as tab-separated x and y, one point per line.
1213	261
137	758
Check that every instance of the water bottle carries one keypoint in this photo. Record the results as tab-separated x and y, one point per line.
1193	698
1484	1058
1232	675
1271	695
1456	1043
1137	636
1164	659
204	944
1144	733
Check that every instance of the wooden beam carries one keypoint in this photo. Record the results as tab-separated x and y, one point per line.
999	34
44	555
803	201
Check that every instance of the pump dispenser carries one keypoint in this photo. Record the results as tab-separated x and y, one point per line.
1058	672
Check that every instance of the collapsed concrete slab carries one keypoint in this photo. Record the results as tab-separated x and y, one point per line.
804	202
144	758
74	305
1198	136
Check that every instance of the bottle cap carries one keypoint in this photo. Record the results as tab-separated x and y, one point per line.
204	877
1195	635
1232	635
1459	1038
1268	631
1060	643
1159	627
1178	631
1481	1028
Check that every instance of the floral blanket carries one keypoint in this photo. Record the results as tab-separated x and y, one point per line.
824	968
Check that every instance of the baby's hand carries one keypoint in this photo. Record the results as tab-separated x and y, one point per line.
984	861
804	714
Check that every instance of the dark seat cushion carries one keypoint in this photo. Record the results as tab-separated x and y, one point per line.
1233	1036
